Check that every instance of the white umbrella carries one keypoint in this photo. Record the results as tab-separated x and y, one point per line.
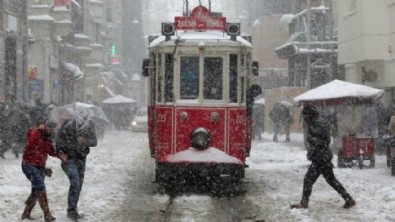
72	110
338	91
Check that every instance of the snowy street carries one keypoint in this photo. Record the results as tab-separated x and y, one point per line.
118	187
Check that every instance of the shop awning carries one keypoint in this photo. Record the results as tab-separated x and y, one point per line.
74	69
339	92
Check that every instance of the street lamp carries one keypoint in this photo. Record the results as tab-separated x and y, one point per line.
101	93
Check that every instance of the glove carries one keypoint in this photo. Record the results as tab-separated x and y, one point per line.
48	172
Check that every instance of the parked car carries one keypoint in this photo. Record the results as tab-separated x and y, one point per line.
140	121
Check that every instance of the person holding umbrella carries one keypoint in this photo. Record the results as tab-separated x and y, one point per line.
74	139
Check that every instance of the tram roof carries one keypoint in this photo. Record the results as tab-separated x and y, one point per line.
216	37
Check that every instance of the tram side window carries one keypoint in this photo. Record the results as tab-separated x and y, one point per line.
213	77
169	78
160	78
153	79
189	77
233	78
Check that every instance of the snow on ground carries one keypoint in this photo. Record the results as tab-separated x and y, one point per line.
275	169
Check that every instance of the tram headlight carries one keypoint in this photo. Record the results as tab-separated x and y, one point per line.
233	29
168	29
200	138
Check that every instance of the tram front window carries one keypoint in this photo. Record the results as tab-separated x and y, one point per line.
189	77
213	78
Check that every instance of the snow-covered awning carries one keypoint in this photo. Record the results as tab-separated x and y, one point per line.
339	92
292	48
118	99
76	4
74	69
43	18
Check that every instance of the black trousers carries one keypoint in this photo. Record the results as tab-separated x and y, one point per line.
315	170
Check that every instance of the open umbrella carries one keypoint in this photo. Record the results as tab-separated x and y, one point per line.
75	110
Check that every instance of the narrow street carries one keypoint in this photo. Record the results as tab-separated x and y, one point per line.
118	187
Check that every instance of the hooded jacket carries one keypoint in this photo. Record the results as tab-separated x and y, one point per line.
38	147
318	136
67	141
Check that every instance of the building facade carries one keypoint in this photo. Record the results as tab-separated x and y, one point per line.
13	46
70	51
366	38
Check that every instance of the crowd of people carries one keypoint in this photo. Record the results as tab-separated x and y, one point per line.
32	130
16	119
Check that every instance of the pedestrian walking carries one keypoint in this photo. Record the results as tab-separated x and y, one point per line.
391	130
303	124
276	115
20	121
38	147
74	139
287	121
318	136
3	130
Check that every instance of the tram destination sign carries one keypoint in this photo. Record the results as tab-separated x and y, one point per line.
200	19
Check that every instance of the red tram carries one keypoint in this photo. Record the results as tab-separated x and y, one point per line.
199	71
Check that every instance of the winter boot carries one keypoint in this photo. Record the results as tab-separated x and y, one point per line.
74	215
349	203
30	203
301	205
42	199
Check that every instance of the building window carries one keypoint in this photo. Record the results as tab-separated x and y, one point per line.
189	77
213	77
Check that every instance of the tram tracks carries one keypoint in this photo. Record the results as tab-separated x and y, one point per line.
169	209
221	209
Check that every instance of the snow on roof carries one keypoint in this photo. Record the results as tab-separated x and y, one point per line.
95	65
63	22
45	17
96	45
339	89
210	155
80	36
40	6
191	36
287	18
118	99
96	1
78	74
62	8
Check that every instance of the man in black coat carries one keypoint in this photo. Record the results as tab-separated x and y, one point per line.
318	136
74	139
